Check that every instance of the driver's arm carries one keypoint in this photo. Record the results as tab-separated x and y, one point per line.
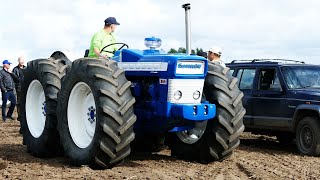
97	43
97	52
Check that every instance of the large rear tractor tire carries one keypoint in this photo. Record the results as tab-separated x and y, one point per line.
215	139
62	56
96	114
38	106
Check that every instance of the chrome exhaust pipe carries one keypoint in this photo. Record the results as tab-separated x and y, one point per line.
188	27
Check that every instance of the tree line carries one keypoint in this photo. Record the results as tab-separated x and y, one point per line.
183	50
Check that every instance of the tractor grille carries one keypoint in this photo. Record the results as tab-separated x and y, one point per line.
187	87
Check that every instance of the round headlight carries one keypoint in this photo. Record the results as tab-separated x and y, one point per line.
196	95
177	95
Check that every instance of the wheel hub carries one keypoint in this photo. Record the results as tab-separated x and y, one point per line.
91	115
193	135
307	137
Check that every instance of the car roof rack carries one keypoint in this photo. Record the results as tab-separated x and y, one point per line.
269	60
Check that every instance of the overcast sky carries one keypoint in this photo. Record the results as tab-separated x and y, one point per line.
244	29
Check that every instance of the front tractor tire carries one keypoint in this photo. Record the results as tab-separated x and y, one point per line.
215	139
96	114
38	106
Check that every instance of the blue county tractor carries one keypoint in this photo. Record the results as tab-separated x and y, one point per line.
96	111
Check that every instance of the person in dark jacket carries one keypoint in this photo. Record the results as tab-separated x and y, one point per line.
7	86
18	71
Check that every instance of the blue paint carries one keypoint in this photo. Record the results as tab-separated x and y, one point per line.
92	114
150	89
44	108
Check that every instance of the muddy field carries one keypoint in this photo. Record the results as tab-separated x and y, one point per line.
258	157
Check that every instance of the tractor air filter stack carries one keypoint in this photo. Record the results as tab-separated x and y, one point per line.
188	27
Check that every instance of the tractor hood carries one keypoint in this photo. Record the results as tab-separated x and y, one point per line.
151	62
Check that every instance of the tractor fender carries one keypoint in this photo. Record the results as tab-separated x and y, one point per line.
304	110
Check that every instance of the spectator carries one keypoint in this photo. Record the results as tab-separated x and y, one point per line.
18	71
214	55
7	87
103	38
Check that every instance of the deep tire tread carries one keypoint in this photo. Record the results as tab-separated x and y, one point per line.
118	73
107	150
113	115
126	106
224	122
109	79
233	83
218	74
100	66
113	135
230	111
125	87
238	99
125	142
49	73
63	68
222	133
238	117
228	151
122	129
111	96
223	89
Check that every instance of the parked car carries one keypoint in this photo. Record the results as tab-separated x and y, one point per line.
282	98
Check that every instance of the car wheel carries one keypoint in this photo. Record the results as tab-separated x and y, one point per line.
308	136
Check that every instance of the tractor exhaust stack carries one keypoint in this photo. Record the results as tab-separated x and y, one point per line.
188	27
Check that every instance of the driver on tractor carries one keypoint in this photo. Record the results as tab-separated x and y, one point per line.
103	38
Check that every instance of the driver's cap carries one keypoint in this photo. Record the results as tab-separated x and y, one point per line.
111	20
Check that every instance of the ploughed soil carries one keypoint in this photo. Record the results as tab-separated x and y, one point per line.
258	157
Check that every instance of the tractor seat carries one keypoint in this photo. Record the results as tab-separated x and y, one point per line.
86	53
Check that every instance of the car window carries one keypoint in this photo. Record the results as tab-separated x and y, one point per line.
231	71
245	77
302	76
239	74
268	80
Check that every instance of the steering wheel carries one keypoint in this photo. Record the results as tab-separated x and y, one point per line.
123	45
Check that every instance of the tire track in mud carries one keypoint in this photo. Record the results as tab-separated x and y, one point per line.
263	163
224	175
219	170
259	160
230	170
259	170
